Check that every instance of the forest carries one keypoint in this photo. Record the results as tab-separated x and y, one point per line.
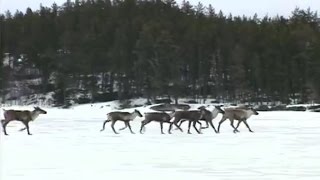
122	49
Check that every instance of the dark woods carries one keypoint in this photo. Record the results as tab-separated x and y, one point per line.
131	48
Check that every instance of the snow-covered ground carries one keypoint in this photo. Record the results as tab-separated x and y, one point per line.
67	144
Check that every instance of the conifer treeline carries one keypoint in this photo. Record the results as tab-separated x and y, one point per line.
150	48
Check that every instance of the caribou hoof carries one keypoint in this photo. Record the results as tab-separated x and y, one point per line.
236	130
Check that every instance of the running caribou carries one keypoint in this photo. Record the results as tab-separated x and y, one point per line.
208	116
161	117
237	114
126	117
24	116
192	116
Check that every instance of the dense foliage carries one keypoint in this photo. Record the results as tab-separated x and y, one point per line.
150	48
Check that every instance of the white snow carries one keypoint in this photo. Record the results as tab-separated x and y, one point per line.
67	144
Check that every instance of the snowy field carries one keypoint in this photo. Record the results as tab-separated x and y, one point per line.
68	144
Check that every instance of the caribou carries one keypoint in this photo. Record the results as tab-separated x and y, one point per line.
208	116
161	117
237	114
126	117
24	116
192	116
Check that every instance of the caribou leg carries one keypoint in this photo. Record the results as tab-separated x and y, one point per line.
245	122
199	124
183	120
236	130
112	126
206	126
189	126
26	123
125	126
176	124
128	124
210	122
232	125
143	123
169	130
4	126
221	121
195	127
161	126
104	124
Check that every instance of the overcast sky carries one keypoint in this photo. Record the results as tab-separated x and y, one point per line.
236	7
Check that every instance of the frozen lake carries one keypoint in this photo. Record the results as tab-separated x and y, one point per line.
68	144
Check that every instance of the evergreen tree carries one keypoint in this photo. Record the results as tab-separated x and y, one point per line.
156	48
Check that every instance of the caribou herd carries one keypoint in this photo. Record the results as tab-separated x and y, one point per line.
175	117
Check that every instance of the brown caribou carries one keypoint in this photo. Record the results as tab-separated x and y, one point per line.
161	117
192	116
24	116
208	116
237	114
126	117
